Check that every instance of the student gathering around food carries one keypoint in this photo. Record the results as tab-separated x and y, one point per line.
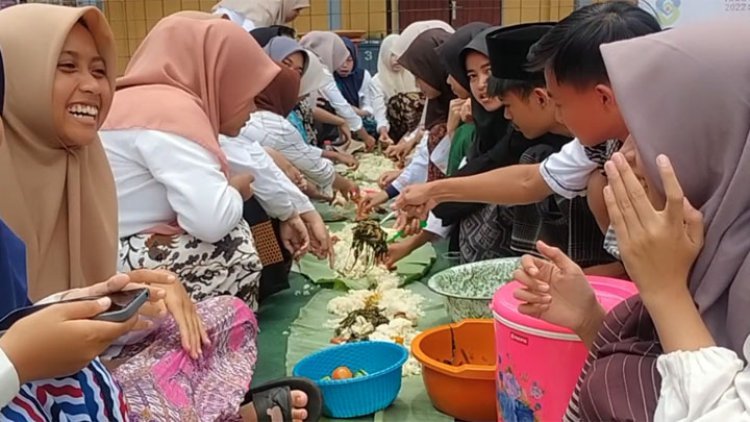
146	216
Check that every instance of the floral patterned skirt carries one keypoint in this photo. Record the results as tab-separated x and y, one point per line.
162	383
230	266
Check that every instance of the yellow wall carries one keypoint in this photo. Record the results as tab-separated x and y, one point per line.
363	15
522	11
131	19
314	18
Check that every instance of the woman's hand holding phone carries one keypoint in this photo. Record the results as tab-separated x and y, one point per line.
61	339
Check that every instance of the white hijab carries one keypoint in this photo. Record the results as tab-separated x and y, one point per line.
392	82
314	78
329	48
414	30
259	13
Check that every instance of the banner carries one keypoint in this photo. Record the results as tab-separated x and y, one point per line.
679	12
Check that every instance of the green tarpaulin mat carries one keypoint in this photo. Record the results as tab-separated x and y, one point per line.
413	267
306	337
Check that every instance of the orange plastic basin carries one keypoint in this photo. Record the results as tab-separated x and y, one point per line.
463	390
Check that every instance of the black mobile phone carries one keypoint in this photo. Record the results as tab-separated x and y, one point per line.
125	304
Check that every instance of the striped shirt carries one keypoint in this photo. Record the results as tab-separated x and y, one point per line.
89	395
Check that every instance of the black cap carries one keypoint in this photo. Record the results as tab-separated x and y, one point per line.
509	46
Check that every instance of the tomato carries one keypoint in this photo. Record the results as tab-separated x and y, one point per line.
342	373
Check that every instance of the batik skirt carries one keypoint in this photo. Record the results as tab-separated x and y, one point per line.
230	266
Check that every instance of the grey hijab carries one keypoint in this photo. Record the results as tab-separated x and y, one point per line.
704	128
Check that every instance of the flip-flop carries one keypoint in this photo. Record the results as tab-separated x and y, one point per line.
278	394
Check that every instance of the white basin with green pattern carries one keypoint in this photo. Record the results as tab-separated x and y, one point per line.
469	288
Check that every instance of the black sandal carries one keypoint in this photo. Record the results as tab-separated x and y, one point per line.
278	394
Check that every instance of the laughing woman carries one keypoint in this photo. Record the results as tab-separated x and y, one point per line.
179	208
53	155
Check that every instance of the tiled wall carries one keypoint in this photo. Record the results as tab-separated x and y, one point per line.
522	11
131	19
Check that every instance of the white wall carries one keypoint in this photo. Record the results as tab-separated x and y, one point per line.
680	12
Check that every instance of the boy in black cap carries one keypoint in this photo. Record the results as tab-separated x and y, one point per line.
524	94
531	110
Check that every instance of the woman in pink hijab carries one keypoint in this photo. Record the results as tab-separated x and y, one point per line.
678	200
180	209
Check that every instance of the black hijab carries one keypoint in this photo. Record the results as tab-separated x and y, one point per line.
491	126
421	59
450	51
263	35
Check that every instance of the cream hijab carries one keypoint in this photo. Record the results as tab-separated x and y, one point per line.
264	12
329	48
657	80
414	30
392	82
60	201
313	79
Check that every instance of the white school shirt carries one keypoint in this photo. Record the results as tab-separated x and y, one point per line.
567	171
277	194
235	17
9	382
707	385
274	131
331	92
379	107
162	177
436	227
416	171
365	97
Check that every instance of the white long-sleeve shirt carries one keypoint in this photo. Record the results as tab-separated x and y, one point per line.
9	382
274	131
277	194
708	385
365	94
162	177
379	104
235	17
416	171
332	94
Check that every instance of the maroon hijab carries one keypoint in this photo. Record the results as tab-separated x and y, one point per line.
282	94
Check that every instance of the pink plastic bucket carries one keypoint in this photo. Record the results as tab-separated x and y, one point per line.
539	363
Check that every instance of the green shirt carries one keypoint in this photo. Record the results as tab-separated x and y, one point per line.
460	144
